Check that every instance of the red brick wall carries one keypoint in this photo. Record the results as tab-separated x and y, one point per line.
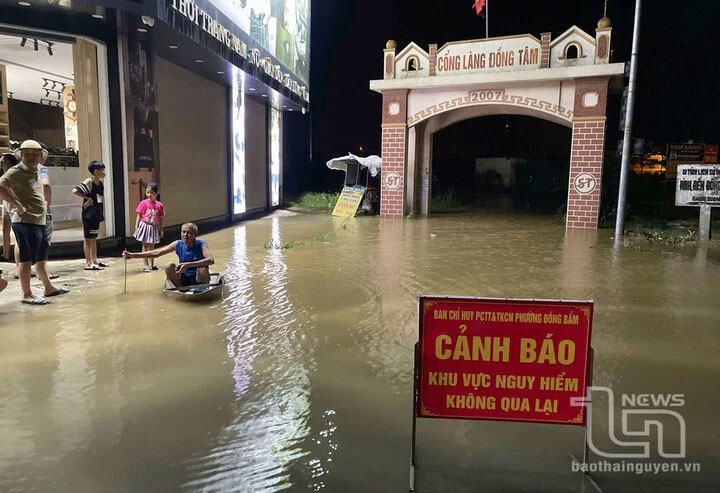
394	153
586	155
545	50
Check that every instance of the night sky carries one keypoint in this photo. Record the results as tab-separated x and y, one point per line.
678	72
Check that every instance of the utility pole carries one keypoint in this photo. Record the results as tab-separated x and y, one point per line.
627	135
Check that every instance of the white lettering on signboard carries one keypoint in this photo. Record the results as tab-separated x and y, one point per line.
697	185
491	55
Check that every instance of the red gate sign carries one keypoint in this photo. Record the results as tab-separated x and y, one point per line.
503	359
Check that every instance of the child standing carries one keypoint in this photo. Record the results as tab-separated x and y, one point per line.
91	191
148	224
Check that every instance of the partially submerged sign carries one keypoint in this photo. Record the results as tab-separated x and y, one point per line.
348	202
697	185
503	359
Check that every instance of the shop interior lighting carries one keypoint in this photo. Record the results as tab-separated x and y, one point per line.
199	61
24	4
173	47
141	30
99	13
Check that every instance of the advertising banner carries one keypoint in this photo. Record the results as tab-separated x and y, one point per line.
348	202
503	359
697	185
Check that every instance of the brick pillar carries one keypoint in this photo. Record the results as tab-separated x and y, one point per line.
545	50
433	60
586	154
394	153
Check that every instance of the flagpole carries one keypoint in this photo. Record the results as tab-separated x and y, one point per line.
487	34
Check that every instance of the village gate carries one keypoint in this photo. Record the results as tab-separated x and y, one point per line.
564	80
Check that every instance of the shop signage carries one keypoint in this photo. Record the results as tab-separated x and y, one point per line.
191	11
514	359
683	154
348	202
697	185
202	19
489	55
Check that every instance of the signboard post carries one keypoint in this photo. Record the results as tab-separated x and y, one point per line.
699	186
502	359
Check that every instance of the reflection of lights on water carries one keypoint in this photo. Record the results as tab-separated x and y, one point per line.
272	385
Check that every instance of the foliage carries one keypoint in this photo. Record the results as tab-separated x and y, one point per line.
317	200
444	203
277	245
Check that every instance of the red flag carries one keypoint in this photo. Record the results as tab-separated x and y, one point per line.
478	6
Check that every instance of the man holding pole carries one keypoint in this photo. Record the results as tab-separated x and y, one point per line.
194	258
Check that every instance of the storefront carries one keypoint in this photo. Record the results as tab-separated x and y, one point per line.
187	95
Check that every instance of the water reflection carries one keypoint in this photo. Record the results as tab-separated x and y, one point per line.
300	378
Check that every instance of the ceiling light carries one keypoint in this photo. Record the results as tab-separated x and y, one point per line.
141	30
264	95
173	47
220	72
24	4
147	20
252	88
199	61
99	13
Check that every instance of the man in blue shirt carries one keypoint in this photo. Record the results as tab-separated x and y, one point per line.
194	258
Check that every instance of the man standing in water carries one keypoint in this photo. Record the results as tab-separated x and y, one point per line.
21	186
194	258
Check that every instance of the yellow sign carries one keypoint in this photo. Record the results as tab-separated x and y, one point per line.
348	201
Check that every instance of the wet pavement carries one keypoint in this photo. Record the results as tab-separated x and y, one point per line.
299	377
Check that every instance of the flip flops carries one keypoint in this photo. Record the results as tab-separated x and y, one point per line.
147	269
94	267
102	264
37	300
155	267
58	292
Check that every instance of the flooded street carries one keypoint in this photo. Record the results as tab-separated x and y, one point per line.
300	377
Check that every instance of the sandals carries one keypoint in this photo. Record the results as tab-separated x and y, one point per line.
37	300
102	264
58	292
94	267
147	269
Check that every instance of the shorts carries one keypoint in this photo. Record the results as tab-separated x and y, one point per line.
190	280
91	228
32	242
48	227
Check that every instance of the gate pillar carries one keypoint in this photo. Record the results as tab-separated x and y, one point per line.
586	155
394	153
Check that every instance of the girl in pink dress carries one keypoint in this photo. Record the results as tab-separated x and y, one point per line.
148	225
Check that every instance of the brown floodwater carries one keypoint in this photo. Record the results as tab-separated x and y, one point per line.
300	377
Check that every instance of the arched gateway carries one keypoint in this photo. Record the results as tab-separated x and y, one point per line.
563	80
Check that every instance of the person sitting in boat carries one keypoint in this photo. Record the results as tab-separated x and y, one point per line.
194	258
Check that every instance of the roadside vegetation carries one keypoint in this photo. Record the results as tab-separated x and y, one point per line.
316	200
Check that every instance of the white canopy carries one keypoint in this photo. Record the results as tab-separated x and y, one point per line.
372	163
